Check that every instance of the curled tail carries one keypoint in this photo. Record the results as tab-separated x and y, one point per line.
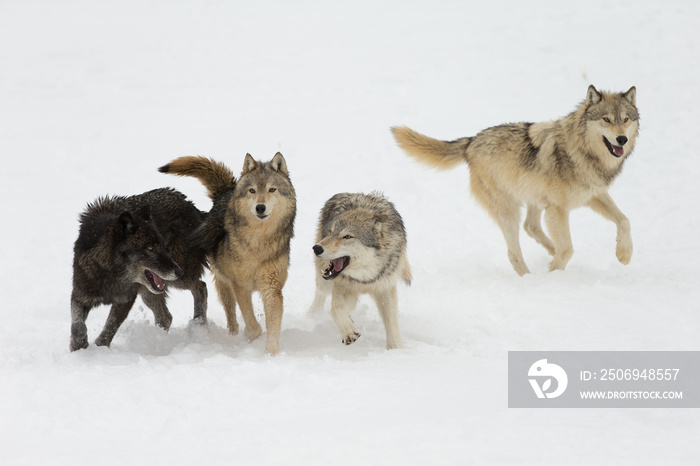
443	155
215	176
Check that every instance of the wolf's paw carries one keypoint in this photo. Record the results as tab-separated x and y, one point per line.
251	333
272	348
350	339
78	343
78	336
103	341
164	321
199	320
556	265
624	252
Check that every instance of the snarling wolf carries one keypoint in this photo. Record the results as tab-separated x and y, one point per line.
360	249
137	245
247	236
554	166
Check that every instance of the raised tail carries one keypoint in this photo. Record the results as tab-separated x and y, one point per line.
215	176
443	155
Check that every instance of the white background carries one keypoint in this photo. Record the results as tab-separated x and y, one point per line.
94	96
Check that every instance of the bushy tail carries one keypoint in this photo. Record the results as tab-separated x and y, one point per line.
215	176
443	155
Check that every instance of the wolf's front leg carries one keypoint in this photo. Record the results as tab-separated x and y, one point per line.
273	302
244	297
156	303
224	289
323	289
116	317
605	206
342	303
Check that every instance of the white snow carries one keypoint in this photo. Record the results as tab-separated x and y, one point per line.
94	96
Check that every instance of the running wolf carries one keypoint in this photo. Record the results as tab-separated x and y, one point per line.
246	236
360	248
554	166
130	246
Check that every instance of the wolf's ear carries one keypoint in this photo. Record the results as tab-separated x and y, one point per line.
145	212
279	164
249	164
593	96
631	96
379	221
127	224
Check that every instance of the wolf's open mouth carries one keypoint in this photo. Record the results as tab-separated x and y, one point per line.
156	282
336	266
617	151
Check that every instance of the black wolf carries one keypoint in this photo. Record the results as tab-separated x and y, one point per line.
130	246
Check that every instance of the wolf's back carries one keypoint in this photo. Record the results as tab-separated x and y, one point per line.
215	176
443	155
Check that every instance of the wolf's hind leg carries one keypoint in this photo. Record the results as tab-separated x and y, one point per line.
78	329
533	227
387	303
342	303
506	212
605	206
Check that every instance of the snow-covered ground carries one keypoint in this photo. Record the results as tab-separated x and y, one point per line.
94	96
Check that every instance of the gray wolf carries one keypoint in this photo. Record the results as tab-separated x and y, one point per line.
137	245
360	249
553	166
247	236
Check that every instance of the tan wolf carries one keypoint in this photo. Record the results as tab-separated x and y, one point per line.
247	236
553	166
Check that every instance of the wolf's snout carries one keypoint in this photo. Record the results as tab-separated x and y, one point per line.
260	209
621	140
318	250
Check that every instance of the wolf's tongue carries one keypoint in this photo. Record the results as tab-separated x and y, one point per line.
158	281
619	151
337	264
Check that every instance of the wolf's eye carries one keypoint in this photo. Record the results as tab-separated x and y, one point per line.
626	120
150	247
607	120
348	237
272	190
251	191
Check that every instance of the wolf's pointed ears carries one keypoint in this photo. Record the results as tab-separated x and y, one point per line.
631	96
127	224
249	164
593	96
379	221
279	164
145	212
